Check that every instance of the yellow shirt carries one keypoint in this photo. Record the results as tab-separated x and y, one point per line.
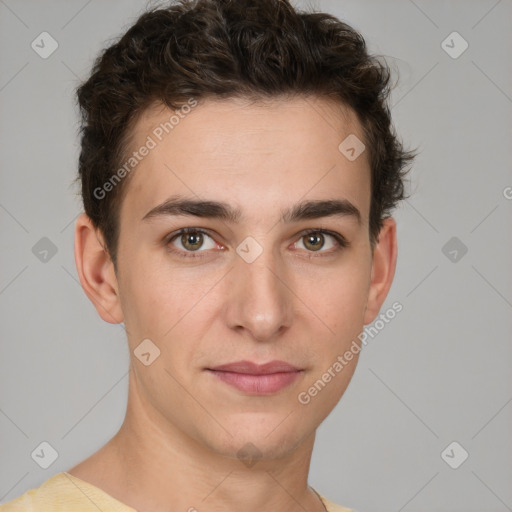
67	493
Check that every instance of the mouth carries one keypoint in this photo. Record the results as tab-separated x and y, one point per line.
257	379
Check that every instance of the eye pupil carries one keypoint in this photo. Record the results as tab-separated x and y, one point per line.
192	241
314	241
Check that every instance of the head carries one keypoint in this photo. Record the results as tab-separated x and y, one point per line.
265	132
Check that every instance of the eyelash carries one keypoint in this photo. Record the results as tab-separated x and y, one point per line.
341	242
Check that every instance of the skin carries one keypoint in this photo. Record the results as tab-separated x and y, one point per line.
177	447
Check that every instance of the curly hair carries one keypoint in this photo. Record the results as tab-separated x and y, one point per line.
224	49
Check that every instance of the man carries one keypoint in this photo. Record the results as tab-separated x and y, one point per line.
238	171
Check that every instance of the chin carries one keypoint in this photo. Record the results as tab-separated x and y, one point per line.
255	440
250	451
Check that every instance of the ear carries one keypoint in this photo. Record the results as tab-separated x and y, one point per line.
383	269
96	270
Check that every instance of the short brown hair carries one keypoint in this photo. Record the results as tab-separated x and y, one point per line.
228	48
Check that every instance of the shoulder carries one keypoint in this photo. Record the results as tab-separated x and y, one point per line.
333	507
62	493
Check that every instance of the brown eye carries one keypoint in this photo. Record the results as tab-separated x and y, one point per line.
192	241
320	241
313	241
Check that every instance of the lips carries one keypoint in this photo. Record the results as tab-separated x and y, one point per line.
257	379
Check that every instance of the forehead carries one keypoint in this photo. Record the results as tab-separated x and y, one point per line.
257	156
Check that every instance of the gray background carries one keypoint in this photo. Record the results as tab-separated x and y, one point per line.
438	373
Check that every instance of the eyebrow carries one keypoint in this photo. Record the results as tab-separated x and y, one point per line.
315	209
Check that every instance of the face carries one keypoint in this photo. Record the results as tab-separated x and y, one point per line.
272	282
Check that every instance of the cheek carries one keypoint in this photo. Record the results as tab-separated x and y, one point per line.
150	301
339	300
165	303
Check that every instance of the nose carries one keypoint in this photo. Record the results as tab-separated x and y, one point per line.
260	300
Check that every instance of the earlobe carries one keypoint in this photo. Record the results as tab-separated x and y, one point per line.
96	270
383	269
